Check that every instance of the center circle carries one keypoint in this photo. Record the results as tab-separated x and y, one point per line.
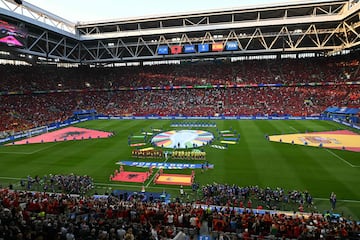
180	139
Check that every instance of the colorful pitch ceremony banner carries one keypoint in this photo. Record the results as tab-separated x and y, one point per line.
176	49
217	47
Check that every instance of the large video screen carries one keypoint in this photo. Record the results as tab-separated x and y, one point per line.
176	49
232	46
217	47
163	50
203	47
12	35
189	48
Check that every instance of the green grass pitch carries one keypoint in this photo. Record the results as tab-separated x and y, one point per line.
252	161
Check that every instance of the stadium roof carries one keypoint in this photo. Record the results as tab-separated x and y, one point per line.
299	26
107	10
241	5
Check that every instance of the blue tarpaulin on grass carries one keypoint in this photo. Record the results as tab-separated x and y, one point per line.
231	139
164	165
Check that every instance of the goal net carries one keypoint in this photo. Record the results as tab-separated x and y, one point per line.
36	131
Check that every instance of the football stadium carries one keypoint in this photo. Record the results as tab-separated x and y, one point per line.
239	123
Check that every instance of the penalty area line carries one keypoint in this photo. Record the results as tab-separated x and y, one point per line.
152	178
35	151
293	128
11	178
42	149
340	158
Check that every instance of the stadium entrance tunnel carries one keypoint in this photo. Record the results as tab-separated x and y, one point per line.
182	139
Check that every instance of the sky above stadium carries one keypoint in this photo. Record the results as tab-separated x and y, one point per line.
89	10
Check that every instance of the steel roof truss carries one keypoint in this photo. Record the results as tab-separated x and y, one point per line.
351	29
147	46
70	53
37	40
127	48
57	45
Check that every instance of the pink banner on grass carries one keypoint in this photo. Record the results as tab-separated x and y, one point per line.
65	134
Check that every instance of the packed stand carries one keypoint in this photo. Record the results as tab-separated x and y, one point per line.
33	96
287	71
21	112
40	215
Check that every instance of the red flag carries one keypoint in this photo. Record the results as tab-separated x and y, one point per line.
176	49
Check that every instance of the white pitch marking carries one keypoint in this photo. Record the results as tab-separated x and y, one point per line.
29	153
337	156
293	128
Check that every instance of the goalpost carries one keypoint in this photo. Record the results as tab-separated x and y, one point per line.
36	131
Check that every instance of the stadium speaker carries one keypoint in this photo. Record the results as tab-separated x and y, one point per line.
18	1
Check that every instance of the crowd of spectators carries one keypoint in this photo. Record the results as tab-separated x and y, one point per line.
41	215
68	184
38	101
22	112
286	71
236	196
